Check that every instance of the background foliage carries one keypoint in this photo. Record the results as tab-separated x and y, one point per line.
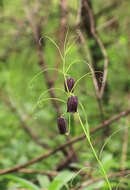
22	82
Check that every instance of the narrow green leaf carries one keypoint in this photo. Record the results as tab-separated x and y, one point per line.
62	179
23	182
43	181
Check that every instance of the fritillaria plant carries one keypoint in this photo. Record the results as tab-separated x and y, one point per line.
72	102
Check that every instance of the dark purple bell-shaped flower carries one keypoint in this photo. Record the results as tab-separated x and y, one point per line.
72	104
62	125
70	83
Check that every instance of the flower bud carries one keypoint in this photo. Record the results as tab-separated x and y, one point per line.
72	104
62	125
70	83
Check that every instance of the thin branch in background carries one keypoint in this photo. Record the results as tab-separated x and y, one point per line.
61	35
95	82
86	49
89	61
30	171
78	14
63	165
76	139
105	10
22	122
118	174
94	33
36	7
107	23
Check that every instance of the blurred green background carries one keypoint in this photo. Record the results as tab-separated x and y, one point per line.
22	82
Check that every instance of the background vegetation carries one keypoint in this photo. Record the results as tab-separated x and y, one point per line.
98	33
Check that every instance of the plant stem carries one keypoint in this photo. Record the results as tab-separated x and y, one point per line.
94	152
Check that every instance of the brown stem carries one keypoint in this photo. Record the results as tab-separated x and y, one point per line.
94	33
89	61
98	90
63	165
29	171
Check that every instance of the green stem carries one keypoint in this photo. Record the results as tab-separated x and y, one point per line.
85	116
69	116
94	152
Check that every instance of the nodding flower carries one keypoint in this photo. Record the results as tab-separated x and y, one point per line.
70	84
62	125
72	104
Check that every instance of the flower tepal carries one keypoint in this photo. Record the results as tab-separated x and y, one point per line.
72	104
62	125
70	84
